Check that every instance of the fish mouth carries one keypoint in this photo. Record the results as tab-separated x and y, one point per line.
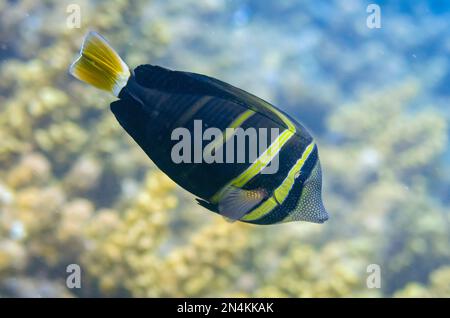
323	220
323	217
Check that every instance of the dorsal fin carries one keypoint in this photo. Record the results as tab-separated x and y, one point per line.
197	84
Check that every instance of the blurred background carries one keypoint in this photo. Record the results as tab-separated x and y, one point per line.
75	188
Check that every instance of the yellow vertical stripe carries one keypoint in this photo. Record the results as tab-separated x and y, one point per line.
234	124
241	118
280	193
286	120
262	160
266	157
259	164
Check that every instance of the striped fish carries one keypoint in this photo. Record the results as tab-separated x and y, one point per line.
154	102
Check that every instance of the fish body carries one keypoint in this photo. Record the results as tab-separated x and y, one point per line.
154	102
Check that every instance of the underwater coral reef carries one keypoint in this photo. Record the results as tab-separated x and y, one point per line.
76	189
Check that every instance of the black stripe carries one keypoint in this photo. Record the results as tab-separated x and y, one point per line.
189	112
289	205
209	178
288	156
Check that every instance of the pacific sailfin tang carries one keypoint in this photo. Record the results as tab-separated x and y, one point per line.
154	101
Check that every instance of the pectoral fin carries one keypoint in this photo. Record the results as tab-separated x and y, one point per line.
236	202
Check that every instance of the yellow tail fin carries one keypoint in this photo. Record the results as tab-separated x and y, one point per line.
99	65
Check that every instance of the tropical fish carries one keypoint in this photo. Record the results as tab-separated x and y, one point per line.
154	101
